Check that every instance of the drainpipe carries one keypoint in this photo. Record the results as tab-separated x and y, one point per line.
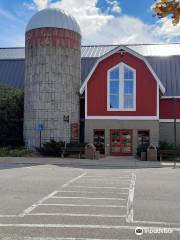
174	117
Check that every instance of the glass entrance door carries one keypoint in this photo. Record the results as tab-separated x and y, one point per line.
99	140
115	142
121	142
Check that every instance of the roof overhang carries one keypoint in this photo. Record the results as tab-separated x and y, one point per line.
161	87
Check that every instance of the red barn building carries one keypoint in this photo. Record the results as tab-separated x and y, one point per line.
128	99
129	95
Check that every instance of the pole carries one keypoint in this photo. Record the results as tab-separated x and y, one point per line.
40	138
174	116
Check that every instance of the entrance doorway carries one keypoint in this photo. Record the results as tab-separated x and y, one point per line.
99	140
120	142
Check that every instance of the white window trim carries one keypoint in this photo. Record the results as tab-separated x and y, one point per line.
168	120
121	89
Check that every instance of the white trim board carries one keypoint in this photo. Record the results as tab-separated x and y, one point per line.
170	97
168	120
122	118
162	88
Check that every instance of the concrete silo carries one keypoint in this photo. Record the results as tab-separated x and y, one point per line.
52	76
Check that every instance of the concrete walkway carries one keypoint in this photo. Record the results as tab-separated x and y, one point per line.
120	162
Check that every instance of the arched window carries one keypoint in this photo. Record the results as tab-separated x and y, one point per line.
121	88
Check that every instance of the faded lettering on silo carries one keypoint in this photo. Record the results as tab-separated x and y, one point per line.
52	80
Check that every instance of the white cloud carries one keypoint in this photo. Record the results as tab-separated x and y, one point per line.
165	28
90	18
124	29
29	6
114	6
41	4
105	28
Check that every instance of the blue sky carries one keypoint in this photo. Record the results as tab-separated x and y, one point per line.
101	21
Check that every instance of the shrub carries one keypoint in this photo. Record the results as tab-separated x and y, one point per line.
19	152
4	151
72	145
168	146
51	148
14	152
75	144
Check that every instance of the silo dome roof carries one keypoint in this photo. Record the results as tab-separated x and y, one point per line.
55	18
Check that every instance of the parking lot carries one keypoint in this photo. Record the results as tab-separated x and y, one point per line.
50	201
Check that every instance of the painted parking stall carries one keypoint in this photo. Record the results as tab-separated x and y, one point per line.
96	204
92	200
87	197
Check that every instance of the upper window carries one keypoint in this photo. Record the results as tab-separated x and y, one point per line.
121	88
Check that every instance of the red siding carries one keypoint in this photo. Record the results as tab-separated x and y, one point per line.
146	88
166	108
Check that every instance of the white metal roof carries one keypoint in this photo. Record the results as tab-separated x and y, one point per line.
166	64
162	50
55	18
147	50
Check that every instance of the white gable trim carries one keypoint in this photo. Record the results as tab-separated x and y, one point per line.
170	97
162	88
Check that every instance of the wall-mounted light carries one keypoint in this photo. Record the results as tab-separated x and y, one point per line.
66	118
122	52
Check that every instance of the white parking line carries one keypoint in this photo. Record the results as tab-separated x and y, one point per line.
82	205
31	208
9	216
106	185
49	238
156	223
93	192
73	180
78	215
80	186
107	180
89	198
104	177
85	226
109	175
130	213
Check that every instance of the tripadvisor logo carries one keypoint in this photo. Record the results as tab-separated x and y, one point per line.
139	231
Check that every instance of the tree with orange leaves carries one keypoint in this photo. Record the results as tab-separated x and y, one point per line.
164	8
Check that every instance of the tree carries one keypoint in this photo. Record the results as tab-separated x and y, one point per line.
164	8
11	116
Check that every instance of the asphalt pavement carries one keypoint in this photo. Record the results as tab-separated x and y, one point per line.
44	200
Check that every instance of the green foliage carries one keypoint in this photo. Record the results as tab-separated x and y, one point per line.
51	148
11	116
54	148
75	145
168	146
4	151
14	152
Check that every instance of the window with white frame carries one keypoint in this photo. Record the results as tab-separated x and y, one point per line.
121	88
